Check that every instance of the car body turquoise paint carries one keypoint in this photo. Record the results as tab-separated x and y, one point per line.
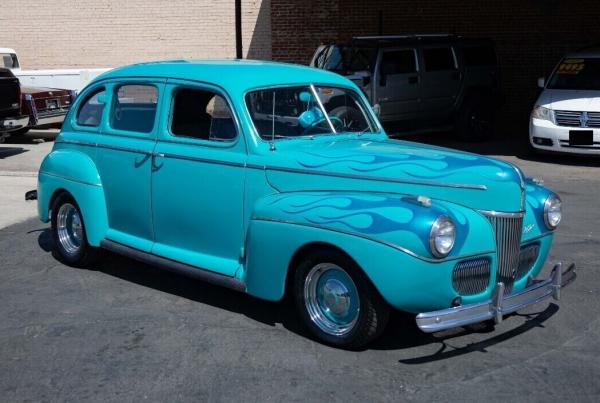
244	208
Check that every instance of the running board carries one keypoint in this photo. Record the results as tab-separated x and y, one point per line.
180	268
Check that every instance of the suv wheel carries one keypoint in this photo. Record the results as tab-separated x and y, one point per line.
475	120
337	302
68	231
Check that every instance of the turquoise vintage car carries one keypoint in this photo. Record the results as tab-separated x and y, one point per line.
273	178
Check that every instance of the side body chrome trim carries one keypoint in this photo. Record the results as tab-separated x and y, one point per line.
70	179
370	238
181	268
287	169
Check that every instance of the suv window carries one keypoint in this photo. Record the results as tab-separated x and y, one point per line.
479	56
398	62
203	115
438	59
90	112
134	108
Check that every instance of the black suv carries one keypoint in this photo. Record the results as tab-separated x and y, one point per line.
422	82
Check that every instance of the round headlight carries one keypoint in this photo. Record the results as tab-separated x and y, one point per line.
552	211
442	236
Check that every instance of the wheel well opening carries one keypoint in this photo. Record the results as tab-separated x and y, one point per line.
56	193
304	251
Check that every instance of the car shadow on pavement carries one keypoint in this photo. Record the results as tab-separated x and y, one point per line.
6	152
401	332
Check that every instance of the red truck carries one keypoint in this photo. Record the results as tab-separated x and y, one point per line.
23	108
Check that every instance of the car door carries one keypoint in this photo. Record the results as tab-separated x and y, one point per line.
397	84
124	159
198	180
440	80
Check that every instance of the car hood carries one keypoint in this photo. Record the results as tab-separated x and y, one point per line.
570	100
393	166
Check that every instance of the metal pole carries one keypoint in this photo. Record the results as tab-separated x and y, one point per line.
238	29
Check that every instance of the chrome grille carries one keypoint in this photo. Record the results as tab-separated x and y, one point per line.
507	228
471	276
577	118
527	258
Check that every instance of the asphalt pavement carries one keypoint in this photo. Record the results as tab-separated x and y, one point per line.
129	332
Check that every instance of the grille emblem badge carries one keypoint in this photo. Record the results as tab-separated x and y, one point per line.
583	119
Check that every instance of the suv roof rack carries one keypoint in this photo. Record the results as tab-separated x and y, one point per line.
377	40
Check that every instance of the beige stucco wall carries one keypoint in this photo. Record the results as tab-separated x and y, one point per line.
107	33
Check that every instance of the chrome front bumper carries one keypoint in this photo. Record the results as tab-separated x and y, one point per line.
500	304
16	123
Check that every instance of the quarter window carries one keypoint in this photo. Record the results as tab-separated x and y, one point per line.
134	108
438	59
90	112
202	115
398	62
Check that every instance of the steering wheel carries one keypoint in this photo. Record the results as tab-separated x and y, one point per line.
334	120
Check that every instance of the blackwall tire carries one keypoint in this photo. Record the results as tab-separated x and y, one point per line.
337	302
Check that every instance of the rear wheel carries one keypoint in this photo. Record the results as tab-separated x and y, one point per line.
68	230
337	302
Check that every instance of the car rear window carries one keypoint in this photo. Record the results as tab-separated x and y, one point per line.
438	59
134	108
398	62
90	112
474	56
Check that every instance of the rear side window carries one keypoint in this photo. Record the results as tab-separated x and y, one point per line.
438	59
203	115
479	56
398	62
90	112
134	108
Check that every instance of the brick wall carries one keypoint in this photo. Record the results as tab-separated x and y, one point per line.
105	33
530	35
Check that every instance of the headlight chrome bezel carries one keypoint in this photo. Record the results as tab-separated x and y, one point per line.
551	202
442	223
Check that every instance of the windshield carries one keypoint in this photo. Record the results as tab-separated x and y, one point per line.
576	74
344	58
9	61
287	112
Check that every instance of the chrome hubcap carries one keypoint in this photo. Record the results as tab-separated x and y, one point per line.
69	229
331	299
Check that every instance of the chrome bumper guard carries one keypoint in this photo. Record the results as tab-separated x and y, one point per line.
500	304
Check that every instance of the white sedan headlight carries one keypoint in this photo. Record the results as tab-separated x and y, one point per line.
442	236
539	112
552	211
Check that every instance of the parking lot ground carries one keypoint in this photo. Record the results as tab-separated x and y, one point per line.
128	332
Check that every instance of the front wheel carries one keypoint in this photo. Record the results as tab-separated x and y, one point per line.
68	230
337	302
475	120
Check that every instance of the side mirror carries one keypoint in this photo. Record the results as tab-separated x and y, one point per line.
541	82
102	99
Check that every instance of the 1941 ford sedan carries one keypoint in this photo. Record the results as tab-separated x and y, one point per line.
272	179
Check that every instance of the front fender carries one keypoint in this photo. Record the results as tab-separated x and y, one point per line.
386	235
74	172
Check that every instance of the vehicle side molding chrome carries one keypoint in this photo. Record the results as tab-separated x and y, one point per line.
180	268
500	304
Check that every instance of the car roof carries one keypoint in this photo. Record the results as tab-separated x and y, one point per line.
234	75
7	50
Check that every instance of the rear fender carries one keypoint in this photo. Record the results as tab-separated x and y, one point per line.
74	172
